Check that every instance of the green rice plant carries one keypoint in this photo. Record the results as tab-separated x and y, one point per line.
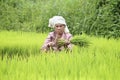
100	61
20	43
60	42
80	41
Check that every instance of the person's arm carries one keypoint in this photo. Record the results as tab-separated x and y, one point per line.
68	43
48	42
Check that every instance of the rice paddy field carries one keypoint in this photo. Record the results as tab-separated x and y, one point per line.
21	59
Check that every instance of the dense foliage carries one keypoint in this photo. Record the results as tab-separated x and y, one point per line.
94	17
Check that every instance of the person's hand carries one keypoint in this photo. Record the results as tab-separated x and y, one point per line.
67	42
43	50
61	42
50	43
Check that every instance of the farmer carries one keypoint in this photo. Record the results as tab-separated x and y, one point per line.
60	34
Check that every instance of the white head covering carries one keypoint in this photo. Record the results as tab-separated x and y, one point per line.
57	19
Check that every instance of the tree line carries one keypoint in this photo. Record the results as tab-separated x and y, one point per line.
93	17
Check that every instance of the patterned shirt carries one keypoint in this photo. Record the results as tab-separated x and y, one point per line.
51	38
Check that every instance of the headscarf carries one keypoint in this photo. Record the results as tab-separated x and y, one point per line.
58	19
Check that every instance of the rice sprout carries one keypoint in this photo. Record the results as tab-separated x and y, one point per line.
80	41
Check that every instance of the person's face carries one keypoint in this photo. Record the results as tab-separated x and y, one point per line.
59	28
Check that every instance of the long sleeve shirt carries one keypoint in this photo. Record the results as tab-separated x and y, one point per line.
51	38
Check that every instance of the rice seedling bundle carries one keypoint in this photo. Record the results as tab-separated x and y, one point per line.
80	41
60	42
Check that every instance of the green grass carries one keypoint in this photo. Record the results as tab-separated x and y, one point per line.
20	43
99	61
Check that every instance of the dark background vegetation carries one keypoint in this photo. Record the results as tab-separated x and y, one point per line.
93	17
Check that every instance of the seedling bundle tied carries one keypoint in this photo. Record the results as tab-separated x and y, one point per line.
78	40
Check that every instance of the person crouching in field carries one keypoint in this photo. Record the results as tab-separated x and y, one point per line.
59	39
